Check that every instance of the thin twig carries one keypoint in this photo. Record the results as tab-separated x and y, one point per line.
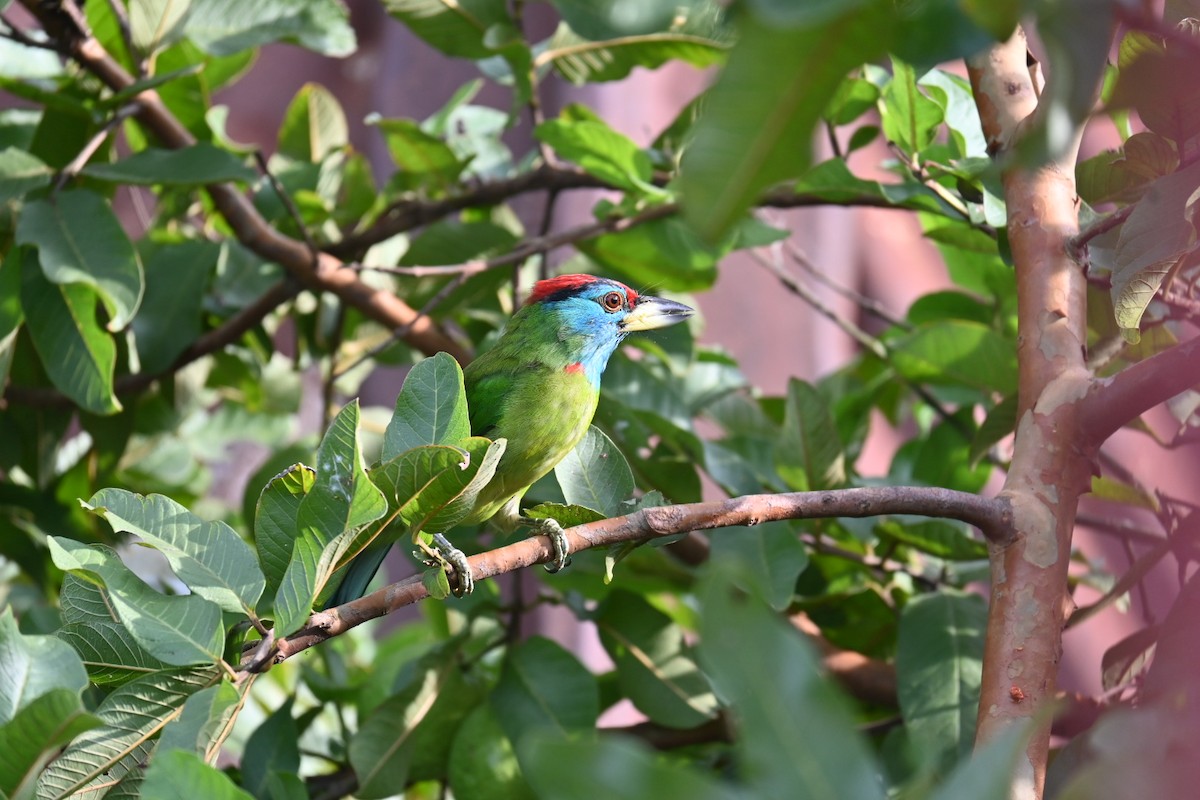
85	154
1098	228
122	18
14	33
290	205
868	304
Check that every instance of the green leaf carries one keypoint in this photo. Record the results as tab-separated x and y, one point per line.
433	488
622	17
940	538
131	718
958	352
169	320
80	240
180	630
78	355
313	126
177	773
12	316
108	649
1156	235
454	242
1000	422
198	727
275	529
483	762
411	733
32	666
853	98
910	119
21	173
655	669
663	253
544	686
566	515
208	556
772	553
939	659
795	736
613	768
581	60
456	28
200	164
596	475
424	160
341	502
757	127
222	27
273	747
156	23
430	409
809	456
602	152
37	733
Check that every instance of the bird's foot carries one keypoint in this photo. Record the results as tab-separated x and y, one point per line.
448	557
558	540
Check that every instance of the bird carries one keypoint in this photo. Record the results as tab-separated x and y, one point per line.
537	388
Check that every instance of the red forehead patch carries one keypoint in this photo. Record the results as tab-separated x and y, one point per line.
566	284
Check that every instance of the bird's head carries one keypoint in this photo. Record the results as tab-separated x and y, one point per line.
593	315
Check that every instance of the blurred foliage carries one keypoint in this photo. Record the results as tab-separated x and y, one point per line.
118	683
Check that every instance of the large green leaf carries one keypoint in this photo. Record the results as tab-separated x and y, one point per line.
772	553
430	409
199	164
208	556
543	686
180	630
583	61
452	241
171	314
411	732
456	27
655	669
223	27
314	125
910	119
178	773
988	773
131	718
205	715
21	173
602	152
664	253
613	768
757	126
80	240
939	658
273	747
31	666
156	23
596	475
809	456
795	736
433	488
424	160
275	529
37	732
92	628
341	502
958	352
78	355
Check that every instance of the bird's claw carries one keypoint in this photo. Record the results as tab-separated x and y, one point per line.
447	556
552	530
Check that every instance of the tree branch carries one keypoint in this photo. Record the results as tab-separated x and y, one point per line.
64	23
1114	401
992	516
1050	468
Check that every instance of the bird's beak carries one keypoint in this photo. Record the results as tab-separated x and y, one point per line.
655	312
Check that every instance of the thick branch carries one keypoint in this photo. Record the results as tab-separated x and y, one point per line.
319	272
991	516
1113	402
1051	467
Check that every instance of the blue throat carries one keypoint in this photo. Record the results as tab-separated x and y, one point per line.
591	335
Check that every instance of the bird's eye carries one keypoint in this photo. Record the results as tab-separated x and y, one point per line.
613	301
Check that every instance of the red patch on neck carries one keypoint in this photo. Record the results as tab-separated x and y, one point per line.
575	368
571	283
